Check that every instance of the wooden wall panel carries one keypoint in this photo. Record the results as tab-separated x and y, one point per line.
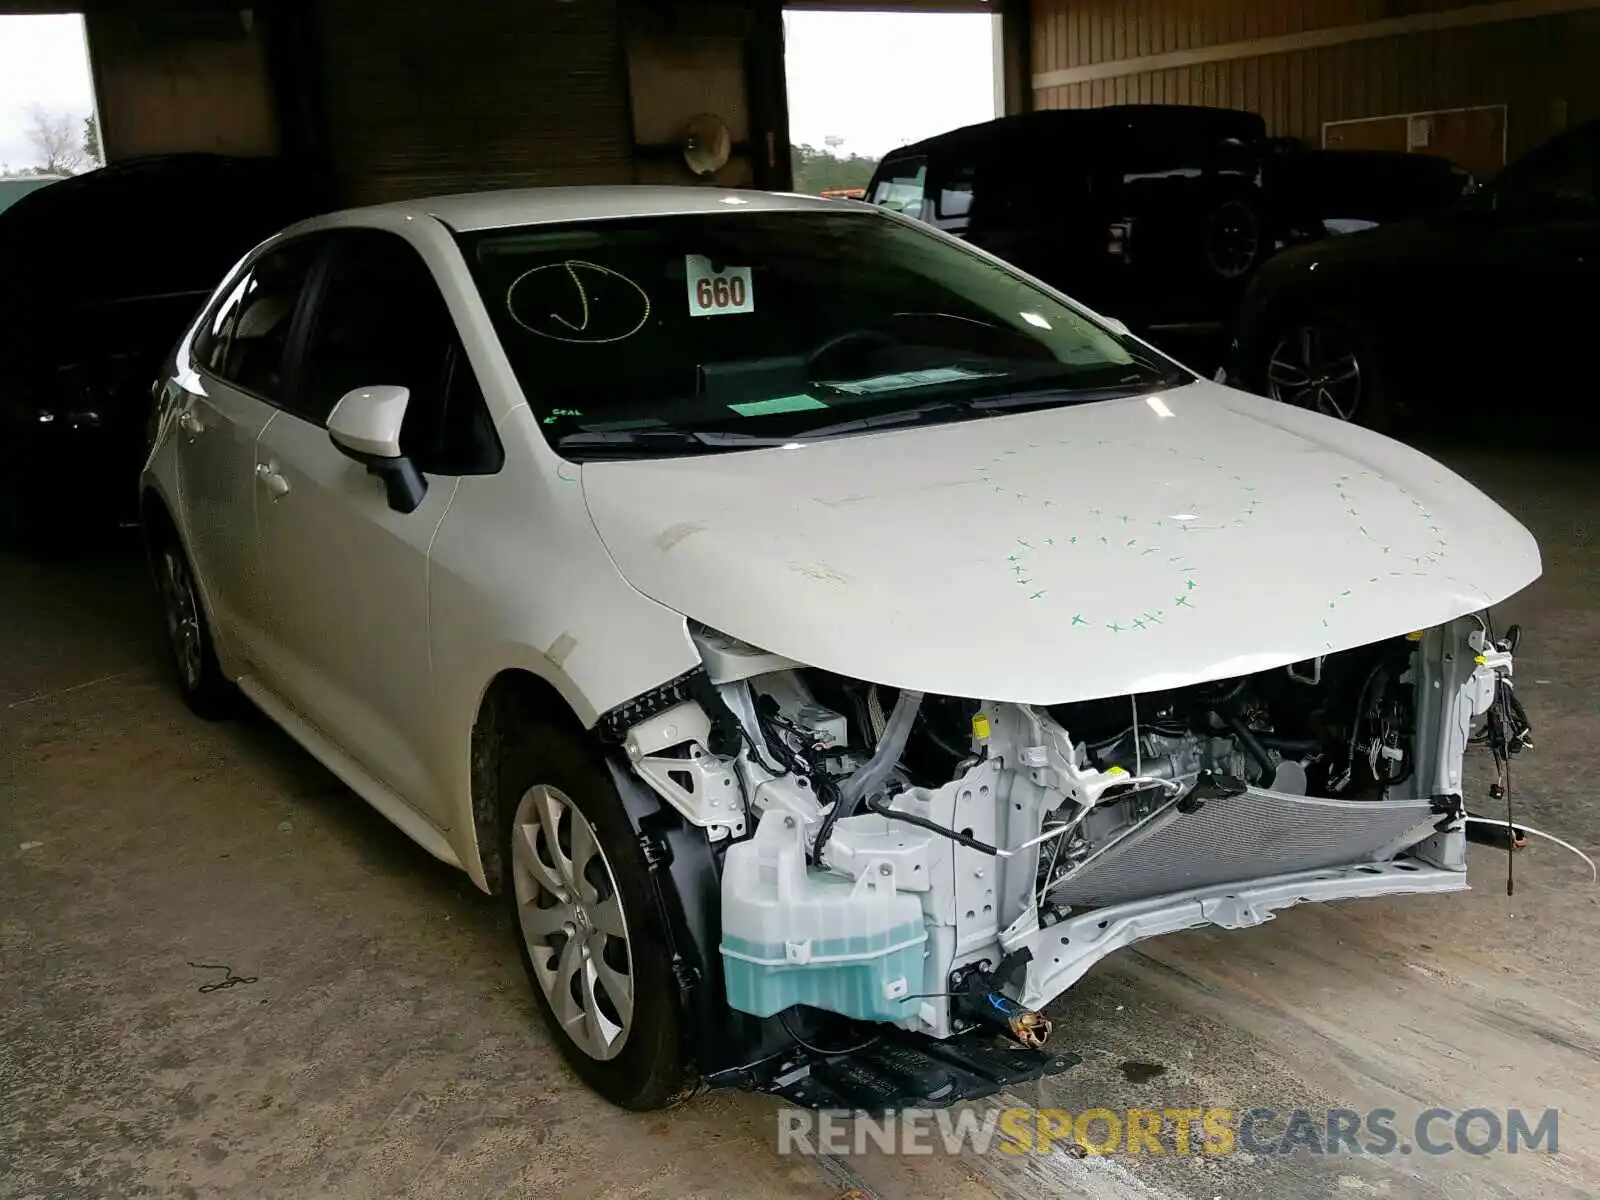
179	82
1542	67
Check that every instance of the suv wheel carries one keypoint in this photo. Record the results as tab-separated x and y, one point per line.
1233	239
586	922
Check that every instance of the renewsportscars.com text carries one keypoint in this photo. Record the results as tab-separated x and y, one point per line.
1170	1131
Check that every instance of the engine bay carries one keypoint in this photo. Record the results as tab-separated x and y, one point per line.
893	856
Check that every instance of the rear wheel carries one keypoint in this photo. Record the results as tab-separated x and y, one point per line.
586	923
1233	238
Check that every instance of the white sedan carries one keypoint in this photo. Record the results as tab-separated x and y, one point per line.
803	619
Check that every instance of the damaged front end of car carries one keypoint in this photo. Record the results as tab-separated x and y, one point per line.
944	867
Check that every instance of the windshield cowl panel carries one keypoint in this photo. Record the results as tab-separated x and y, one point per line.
704	333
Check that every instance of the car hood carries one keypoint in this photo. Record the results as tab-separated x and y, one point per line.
1077	552
1389	242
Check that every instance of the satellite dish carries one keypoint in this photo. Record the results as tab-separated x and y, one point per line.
706	144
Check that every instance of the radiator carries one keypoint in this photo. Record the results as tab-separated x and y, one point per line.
1247	836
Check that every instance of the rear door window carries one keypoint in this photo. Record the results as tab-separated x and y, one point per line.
953	196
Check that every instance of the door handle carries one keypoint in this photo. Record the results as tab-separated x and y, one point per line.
270	479
190	424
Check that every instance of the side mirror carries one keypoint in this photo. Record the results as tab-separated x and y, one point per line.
365	426
1116	326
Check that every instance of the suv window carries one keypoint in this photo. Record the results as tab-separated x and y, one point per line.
244	341
901	185
955	195
379	318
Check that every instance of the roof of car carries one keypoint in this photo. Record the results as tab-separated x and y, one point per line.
476	211
1054	119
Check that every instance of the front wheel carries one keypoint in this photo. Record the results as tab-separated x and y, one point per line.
1326	364
586	923
205	689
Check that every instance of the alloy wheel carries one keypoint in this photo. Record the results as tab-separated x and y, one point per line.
181	609
572	921
1316	367
1233	239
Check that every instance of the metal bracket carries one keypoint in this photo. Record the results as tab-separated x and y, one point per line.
704	789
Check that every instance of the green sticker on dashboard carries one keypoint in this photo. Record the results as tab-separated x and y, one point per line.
778	404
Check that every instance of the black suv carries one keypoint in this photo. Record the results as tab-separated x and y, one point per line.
1152	213
1156	214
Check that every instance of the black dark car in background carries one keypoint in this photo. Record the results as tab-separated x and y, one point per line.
1343	191
1477	315
98	276
1150	213
1155	214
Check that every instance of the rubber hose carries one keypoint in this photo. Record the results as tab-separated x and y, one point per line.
1252	745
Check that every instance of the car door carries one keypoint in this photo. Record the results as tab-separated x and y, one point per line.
224	396
1031	209
1535	266
344	586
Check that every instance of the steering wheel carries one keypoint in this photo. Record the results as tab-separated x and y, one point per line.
854	337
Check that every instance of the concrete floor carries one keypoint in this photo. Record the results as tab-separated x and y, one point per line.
388	1047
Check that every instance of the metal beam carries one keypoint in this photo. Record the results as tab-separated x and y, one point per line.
910	6
1014	56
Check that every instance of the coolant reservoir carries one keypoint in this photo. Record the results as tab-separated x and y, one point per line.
794	935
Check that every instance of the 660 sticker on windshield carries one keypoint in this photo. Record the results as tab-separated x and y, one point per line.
714	293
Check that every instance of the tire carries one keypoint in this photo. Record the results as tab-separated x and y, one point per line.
208	693
620	1025
1233	238
1325	362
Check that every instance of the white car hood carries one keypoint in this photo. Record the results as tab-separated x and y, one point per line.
1112	547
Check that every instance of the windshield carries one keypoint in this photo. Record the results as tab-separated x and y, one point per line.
688	333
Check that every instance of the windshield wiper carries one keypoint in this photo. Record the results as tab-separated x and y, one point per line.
660	436
1041	396
719	438
898	416
1051	394
623	437
1044	396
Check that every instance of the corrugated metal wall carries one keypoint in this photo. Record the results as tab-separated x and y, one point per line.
1542	68
1072	33
428	96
